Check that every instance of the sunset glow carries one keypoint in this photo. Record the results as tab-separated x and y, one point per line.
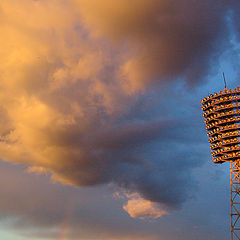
100	121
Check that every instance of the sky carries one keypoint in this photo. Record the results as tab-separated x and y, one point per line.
101	129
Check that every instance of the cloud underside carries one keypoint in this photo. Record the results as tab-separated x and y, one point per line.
74	74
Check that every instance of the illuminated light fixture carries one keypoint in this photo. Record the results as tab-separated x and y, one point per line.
221	112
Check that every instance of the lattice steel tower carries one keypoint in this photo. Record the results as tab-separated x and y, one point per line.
222	117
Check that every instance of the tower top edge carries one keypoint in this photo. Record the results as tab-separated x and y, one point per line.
223	93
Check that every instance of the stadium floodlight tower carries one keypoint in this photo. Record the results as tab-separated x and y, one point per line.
222	117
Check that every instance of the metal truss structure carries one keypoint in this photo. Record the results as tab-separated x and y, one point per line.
235	200
222	117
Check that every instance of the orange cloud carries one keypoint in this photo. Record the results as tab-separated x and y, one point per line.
58	89
138	207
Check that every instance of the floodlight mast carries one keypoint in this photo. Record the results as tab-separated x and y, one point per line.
222	117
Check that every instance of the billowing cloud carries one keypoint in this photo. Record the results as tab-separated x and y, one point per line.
73	79
167	39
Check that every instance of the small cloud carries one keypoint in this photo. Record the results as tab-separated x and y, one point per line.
138	207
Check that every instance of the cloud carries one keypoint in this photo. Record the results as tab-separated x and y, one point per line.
166	39
71	77
138	207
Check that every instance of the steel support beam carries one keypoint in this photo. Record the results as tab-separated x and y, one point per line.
235	199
